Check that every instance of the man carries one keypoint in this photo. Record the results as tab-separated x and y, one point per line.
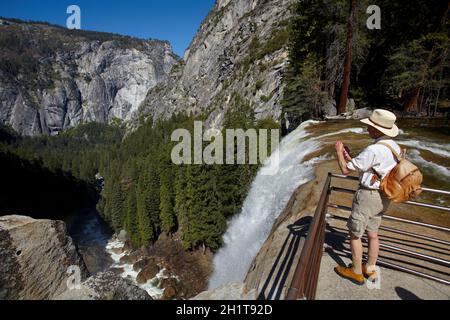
369	204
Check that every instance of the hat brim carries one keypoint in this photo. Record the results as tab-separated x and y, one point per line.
393	132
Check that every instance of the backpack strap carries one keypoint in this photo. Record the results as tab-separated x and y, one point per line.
397	157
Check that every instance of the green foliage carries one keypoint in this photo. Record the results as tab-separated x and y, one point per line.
259	84
148	203
166	206
386	65
206	221
257	50
266	98
417	62
304	92
130	219
277	41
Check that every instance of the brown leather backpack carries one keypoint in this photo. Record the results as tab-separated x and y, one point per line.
403	182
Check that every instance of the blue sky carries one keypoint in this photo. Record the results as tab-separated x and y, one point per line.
173	20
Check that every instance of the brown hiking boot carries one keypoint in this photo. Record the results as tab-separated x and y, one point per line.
348	273
366	274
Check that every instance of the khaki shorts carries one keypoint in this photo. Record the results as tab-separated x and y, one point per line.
367	210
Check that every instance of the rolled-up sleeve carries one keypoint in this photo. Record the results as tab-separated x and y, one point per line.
363	162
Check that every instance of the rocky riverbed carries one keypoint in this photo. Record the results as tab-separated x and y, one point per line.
163	269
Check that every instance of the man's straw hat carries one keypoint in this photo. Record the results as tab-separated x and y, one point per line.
383	121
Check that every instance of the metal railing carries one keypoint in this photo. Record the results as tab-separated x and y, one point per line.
305	279
306	276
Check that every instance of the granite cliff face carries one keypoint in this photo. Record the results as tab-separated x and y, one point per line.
240	49
52	78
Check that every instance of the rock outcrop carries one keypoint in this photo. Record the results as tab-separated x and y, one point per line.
35	258
181	274
147	273
52	78
105	286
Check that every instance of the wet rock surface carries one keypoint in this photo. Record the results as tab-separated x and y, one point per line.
147	273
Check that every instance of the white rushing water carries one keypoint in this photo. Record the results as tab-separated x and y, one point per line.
266	199
440	149
151	286
437	169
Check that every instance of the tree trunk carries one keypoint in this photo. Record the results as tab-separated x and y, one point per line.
439	88
348	60
444	15
421	101
411	104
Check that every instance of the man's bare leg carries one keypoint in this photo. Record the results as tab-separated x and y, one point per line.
374	248
357	251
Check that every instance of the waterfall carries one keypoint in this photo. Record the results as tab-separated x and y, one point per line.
266	199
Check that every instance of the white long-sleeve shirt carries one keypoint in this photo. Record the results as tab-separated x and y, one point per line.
375	156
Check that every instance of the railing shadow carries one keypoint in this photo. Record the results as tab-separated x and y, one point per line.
335	245
413	244
336	239
284	260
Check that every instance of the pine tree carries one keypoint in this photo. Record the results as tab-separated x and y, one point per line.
207	222
116	206
184	202
145	226
130	221
167	213
166	207
153	194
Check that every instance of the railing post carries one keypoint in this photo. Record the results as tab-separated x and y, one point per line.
304	281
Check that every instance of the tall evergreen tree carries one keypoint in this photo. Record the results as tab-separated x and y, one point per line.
130	221
167	213
116	206
145	225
